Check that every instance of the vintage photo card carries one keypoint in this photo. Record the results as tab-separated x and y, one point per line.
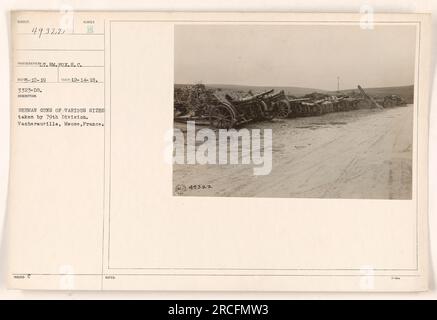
219	151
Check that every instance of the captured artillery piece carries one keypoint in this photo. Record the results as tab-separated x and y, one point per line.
393	101
304	107
229	112
296	107
348	104
316	104
278	105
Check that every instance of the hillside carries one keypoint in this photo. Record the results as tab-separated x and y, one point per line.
406	92
295	91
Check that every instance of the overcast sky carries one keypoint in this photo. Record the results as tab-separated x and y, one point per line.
301	56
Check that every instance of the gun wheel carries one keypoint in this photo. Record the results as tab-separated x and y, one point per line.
283	109
221	117
267	112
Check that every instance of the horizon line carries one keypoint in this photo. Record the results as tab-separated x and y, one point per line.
289	86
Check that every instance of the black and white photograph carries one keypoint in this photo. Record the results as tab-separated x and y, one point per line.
294	110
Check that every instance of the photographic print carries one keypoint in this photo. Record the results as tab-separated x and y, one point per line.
317	111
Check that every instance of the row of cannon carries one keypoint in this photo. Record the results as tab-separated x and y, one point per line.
225	111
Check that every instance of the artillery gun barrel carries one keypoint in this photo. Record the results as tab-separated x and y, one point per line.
262	94
369	98
363	92
319	101
252	97
299	99
273	96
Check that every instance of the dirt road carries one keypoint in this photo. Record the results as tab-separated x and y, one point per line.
363	154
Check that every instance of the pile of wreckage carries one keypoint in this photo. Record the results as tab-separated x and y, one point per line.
222	110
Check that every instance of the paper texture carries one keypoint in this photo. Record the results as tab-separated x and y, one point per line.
219	151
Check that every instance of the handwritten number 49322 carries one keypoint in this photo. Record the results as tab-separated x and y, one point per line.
47	31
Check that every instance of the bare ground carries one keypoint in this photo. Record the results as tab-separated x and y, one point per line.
363	154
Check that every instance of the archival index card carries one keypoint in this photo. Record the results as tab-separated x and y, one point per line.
219	151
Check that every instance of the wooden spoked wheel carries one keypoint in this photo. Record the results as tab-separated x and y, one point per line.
283	109
268	111
221	117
